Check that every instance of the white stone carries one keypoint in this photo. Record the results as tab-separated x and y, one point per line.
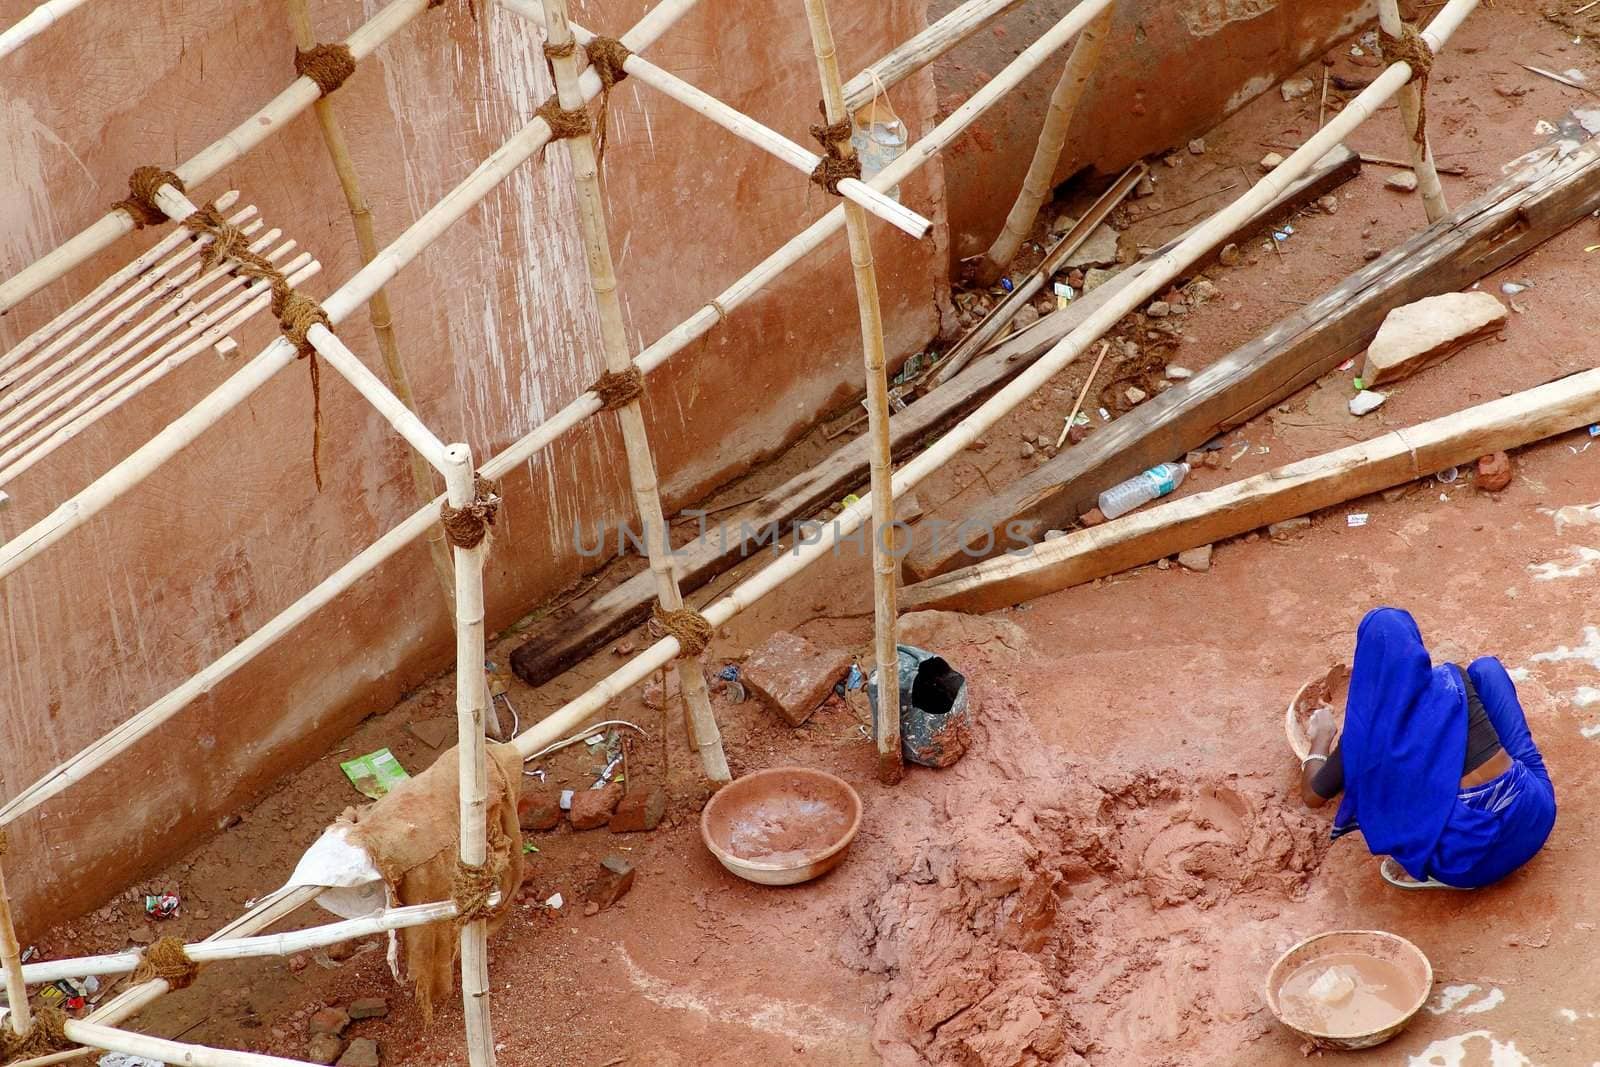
1099	249
1295	88
1195	559
1136	395
1423	333
1402	180
1366	401
1177	374
1270	161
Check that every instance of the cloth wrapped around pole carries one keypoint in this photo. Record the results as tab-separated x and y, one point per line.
934	723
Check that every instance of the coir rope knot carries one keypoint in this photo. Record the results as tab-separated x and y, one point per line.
834	166
692	629
46	1035
166	959
466	527
563	123
618	389
1411	49
140	203
471	890
326	64
608	56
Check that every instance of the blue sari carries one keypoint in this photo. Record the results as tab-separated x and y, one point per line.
1403	744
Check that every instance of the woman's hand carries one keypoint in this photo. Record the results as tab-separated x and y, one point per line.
1321	728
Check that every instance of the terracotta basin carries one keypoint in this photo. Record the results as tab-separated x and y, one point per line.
1330	686
781	826
1378	944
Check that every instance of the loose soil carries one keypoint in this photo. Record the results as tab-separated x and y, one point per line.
1109	872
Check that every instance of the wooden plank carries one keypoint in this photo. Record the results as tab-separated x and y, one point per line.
1288	491
565	638
1477	239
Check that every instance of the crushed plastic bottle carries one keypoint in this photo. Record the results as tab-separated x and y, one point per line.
1156	482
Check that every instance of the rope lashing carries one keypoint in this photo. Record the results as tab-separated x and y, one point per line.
722	312
166	959
46	1035
563	123
140	203
466	527
834	166
471	890
1411	49
296	312
607	56
692	629
618	389
326	64
5	843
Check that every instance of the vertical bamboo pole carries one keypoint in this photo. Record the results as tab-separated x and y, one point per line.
20	1016
702	724
1422	165
471	714
890	764
378	303
1036	185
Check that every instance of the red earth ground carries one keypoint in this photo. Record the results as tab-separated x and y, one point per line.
1119	858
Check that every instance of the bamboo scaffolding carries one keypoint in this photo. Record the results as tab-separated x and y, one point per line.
743	126
90	309
20	1015
169	1052
924	48
1421	151
471	714
258	947
280	353
1040	179
147	372
301	94
391	407
891	763
123	736
699	719
378	310
34	23
1147	285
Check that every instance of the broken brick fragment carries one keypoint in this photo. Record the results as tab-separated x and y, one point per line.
792	676
613	882
640	810
1494	472
592	808
539	809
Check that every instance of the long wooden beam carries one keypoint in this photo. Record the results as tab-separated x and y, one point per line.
1506	222
1289	491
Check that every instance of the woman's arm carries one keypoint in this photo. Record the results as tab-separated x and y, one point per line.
1321	729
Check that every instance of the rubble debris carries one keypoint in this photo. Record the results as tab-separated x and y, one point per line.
1328	203
539	809
1494	472
331	1020
1176	373
1201	291
1423	333
1028	450
1145	187
324	1048
1289	529
368	1008
1099	249
1271	161
613	882
792	676
1371	254
1092	517
641	810
1026	316
1366	401
1135	395
1158	309
1197	147
1195	559
1229	256
1401	181
363	1052
1294	88
592	808
1095	277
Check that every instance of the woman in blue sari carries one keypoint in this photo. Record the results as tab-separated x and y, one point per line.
1437	767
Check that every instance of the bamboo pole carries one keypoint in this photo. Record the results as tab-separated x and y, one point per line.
1159	274
924	48
300	94
88	310
280	353
891	763
169	1052
20	1016
378	310
743	126
471	715
701	722
145	373
34	23
1040	179
124	735
391	407
1422	164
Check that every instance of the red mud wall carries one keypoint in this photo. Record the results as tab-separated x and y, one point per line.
1170	71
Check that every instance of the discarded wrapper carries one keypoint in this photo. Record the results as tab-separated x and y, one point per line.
374	774
164	906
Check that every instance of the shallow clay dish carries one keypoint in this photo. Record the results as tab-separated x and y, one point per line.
781	826
1379	944
1330	686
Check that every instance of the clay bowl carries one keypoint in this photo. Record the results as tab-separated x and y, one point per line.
1376	943
1329	686
781	826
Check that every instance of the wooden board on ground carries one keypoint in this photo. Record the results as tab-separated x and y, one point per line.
1478	238
566	637
1289	491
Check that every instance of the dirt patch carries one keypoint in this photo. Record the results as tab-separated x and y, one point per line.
1025	927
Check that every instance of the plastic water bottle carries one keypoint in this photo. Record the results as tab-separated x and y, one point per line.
1136	492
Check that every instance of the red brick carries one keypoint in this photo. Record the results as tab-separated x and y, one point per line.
539	809
328	1021
1494	472
792	676
613	882
592	808
642	809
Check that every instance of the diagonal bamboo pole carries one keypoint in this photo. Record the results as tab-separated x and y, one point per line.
702	724
891	764
20	1015
1422	165
902	62
471	757
422	476
1041	174
34	23
171	1052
